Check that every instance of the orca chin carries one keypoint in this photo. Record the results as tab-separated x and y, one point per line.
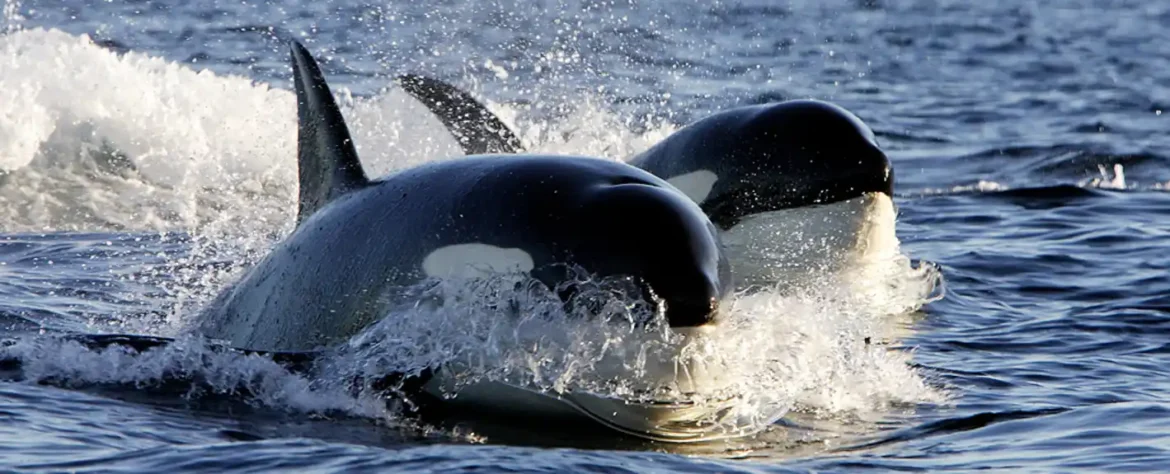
666	420
798	245
661	405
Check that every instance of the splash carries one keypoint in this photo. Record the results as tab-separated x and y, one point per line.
52	359
12	16
773	350
1104	180
93	140
810	348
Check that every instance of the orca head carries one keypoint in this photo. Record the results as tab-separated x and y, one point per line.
645	229
735	163
793	154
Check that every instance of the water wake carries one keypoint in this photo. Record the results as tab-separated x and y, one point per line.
811	348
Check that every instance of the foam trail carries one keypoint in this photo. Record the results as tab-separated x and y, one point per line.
67	362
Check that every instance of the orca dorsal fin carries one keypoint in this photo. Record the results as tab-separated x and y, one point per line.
477	130
327	162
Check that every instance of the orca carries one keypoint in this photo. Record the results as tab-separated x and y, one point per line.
796	187
361	243
357	237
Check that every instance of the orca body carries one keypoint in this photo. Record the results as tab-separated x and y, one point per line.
797	187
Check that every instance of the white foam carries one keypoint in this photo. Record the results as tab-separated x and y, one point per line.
590	130
1108	177
226	373
12	16
982	186
771	351
212	154
200	143
1105	181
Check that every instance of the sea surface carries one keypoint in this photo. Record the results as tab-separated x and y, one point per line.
147	158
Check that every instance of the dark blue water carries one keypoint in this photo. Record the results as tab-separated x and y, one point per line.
147	149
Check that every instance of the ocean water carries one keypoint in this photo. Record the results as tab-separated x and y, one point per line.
147	147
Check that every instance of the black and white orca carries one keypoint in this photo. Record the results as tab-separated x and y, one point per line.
795	187
359	242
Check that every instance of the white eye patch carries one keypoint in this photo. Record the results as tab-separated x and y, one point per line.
474	260
695	185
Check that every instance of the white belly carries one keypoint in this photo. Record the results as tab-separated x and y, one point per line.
788	246
678	378
671	421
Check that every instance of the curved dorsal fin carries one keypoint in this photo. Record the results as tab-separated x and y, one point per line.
328	164
478	130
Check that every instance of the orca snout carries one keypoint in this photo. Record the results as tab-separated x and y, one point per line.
659	236
694	309
835	151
